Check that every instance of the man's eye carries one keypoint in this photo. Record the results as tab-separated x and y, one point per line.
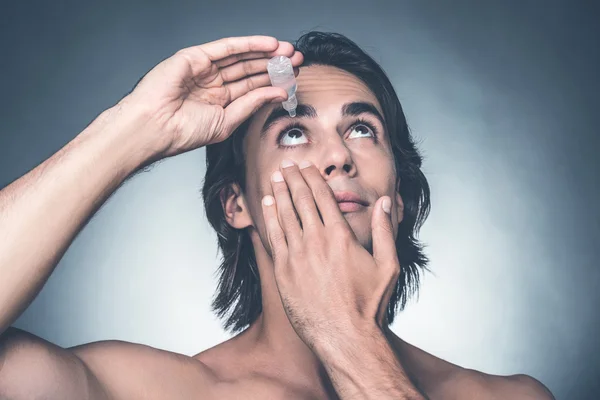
292	137
362	129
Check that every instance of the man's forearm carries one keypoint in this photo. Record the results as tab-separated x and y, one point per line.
42	212
364	366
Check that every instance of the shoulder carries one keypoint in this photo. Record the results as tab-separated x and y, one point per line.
31	367
443	380
469	383
127	369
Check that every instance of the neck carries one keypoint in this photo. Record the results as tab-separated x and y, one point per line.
273	335
272	331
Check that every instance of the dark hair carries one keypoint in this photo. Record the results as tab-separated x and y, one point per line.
238	297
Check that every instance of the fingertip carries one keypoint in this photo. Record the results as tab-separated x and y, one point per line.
268	200
282	93
386	204
282	48
273	41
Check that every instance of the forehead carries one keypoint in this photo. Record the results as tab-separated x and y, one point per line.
326	88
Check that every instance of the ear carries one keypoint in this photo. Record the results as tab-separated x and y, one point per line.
399	205
235	208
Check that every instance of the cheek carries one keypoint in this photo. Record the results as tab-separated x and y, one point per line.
258	173
258	186
256	190
378	171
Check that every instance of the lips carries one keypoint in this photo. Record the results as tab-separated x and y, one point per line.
349	201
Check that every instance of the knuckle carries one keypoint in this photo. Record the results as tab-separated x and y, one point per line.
247	67
182	52
391	271
382	226
394	269
311	227
234	58
250	84
387	228
277	237
303	197
183	55
290	218
280	189
229	45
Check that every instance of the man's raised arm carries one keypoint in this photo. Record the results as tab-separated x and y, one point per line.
196	97
42	212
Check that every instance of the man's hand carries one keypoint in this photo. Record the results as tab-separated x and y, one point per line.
335	293
202	93
332	288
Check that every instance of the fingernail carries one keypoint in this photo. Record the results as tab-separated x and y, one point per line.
268	200
386	204
286	163
304	164
277	177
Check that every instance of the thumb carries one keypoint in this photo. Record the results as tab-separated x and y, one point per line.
385	253
244	106
384	244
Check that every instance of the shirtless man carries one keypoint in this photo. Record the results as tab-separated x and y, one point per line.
328	268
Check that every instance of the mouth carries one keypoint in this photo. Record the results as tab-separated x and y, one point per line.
350	201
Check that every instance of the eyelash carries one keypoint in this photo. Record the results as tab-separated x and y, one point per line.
298	125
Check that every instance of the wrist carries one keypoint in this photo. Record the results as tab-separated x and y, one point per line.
125	134
363	364
352	340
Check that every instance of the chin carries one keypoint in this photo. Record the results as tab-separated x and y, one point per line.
362	230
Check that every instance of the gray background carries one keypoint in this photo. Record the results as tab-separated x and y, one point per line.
502	95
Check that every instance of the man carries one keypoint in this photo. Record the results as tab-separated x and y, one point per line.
315	216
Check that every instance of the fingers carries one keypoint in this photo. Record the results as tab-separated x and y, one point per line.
243	107
302	196
384	244
275	234
239	57
227	51
286	211
385	253
284	49
222	48
239	88
323	195
243	69
251	72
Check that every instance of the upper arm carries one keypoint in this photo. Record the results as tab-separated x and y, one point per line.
32	368
471	384
522	387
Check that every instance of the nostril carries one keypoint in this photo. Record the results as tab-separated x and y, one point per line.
347	168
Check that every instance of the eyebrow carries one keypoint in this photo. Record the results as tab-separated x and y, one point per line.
352	109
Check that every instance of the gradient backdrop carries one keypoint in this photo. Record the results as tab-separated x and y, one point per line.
502	95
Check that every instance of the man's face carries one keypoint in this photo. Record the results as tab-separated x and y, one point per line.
353	156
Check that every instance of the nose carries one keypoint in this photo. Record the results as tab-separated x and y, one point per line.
336	159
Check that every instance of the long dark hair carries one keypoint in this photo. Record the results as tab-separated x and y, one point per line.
238	297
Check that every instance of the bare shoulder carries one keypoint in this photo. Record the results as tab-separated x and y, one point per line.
468	383
441	379
130	370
